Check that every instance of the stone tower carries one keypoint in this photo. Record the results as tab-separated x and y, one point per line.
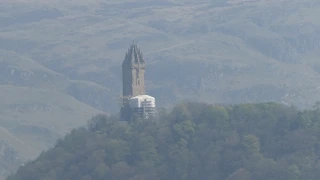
133	69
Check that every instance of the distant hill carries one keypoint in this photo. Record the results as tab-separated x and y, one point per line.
31	120
36	105
192	141
221	51
231	51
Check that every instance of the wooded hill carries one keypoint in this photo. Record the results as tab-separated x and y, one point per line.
265	141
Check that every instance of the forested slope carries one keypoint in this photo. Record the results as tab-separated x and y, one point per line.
264	141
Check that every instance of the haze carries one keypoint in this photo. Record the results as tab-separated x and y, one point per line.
60	61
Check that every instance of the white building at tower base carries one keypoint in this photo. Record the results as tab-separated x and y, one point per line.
143	105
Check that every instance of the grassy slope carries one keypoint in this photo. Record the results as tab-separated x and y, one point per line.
30	94
254	50
35	106
31	119
35	118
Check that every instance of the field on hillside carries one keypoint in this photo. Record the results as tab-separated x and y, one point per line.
33	120
66	56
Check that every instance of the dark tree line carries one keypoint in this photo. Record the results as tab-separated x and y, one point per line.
264	141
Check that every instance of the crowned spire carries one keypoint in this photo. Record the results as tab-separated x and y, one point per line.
134	54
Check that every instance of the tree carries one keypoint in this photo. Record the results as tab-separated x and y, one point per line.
251	144
240	174
264	141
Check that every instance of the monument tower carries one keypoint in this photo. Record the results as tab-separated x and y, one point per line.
134	99
133	69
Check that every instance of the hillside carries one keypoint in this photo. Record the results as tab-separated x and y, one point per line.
225	51
36	106
31	120
193	141
231	51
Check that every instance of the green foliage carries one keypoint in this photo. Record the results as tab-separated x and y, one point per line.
251	144
264	141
